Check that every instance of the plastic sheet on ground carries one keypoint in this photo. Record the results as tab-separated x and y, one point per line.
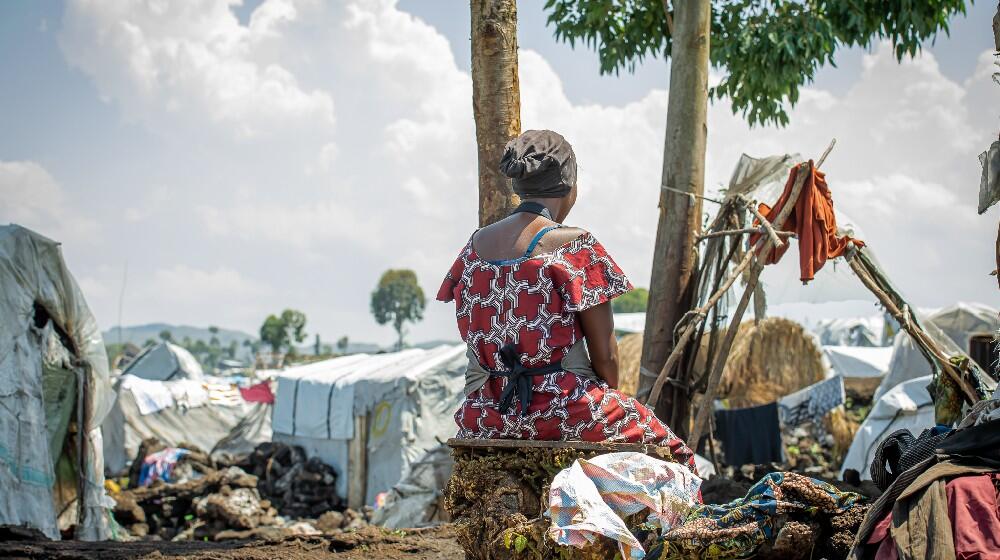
592	497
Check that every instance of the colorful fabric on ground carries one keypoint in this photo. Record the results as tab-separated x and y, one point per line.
812	403
160	465
593	497
535	302
260	392
739	528
813	221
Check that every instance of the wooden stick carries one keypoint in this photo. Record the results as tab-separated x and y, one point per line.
775	240
903	316
742	231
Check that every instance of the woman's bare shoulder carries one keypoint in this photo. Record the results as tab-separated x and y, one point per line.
557	238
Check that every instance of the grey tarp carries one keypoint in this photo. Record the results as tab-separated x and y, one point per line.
44	388
203	426
954	326
165	362
989	184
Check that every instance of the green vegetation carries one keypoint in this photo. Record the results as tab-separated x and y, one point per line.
766	49
283	332
398	299
632	302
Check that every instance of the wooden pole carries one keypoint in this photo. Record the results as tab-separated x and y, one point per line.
496	100
673	277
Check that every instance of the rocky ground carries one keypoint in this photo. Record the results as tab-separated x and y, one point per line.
367	543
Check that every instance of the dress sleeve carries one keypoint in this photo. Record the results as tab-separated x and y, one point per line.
586	275
446	292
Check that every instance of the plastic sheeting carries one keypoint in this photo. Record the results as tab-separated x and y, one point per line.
850	332
856	361
165	362
957	323
907	405
202	425
34	277
408	399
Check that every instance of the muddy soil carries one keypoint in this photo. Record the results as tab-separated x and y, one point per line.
366	544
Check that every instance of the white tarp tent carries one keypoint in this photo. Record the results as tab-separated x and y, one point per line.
186	411
53	374
858	331
960	323
371	416
165	362
859	361
907	405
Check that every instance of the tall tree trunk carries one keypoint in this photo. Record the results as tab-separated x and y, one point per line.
674	259
496	100
996	28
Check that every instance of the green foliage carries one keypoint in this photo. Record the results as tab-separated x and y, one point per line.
166	336
398	299
342	344
284	331
767	49
632	302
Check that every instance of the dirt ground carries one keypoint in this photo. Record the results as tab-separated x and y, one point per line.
368	543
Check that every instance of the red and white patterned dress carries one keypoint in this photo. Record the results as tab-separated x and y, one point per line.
534	303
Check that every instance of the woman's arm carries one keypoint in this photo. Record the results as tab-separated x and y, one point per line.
598	324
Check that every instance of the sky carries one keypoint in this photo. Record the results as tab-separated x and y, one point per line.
210	162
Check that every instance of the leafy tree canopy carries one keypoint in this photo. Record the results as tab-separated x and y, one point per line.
768	49
632	302
398	299
284	331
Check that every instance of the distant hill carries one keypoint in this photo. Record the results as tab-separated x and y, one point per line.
139	334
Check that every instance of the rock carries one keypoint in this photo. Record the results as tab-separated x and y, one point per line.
330	521
239	509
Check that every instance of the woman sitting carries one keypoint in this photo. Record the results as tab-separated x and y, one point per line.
528	292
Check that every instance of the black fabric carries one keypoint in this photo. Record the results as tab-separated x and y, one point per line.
533	208
750	435
901	451
540	163
518	378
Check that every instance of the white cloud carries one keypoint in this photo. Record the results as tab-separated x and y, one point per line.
315	215
192	62
31	197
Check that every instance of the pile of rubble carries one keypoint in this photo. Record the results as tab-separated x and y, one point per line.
272	493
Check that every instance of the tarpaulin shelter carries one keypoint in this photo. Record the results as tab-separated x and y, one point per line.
858	331
199	412
957	325
371	416
165	362
55	390
905	406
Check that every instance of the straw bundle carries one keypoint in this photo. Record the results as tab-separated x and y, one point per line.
767	362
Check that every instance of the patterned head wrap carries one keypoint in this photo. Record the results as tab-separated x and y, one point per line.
541	163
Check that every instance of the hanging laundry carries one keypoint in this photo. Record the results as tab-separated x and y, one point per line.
150	396
739	528
260	392
812	403
750	435
593	496
813	221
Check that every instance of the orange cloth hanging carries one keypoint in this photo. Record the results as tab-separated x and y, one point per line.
813	221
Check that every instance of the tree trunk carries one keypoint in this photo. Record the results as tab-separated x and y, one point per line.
996	28
496	100
674	258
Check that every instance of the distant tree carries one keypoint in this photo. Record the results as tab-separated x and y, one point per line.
632	302
342	344
150	342
166	336
231	350
317	347
398	299
284	331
